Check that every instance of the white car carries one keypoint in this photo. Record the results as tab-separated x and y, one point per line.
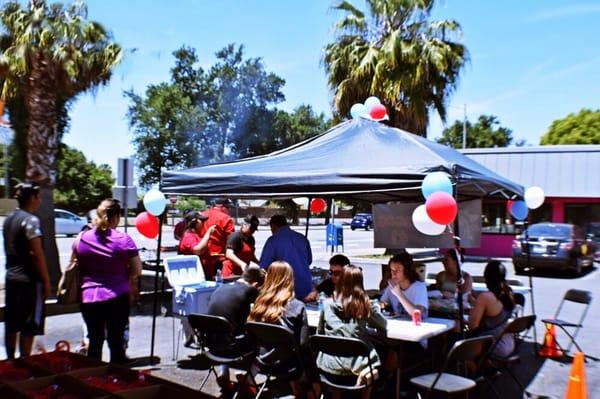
67	223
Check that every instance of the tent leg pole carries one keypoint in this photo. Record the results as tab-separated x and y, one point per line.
307	217
155	301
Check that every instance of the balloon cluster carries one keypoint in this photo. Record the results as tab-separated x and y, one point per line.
371	109
534	198
147	222
440	208
318	205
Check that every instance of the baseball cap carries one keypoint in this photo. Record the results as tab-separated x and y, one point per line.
194	215
223	201
252	221
26	189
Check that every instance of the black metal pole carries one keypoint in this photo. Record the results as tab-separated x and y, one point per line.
307	217
530	272
459	280
155	301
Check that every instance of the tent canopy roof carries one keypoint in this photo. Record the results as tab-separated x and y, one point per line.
357	159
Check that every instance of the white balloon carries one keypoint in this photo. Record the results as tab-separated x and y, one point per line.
534	197
424	224
370	102
357	110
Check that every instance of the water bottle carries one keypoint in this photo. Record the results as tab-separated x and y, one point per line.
376	305
219	276
321	301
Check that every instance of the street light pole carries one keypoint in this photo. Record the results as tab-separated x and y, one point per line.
465	127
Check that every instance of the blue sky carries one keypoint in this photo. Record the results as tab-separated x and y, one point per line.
531	62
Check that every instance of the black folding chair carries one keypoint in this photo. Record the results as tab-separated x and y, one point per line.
517	327
472	349
218	344
277	355
575	296
342	347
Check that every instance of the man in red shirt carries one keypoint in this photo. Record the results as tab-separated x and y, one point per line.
217	216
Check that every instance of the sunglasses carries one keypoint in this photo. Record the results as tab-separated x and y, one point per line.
335	272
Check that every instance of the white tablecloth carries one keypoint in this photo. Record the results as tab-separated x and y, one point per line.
403	330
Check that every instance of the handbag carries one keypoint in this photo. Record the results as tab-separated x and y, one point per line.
69	286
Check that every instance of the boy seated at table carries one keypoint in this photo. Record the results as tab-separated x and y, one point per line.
327	286
347	315
405	292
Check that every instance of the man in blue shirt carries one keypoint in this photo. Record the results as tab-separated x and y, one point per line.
287	245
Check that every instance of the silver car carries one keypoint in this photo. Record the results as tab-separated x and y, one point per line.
67	223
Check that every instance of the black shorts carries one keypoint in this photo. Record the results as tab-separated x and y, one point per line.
25	309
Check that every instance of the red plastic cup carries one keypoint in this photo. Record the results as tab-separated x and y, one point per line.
416	316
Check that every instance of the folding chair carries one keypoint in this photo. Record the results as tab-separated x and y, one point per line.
277	355
576	296
518	327
472	349
219	344
519	309
341	347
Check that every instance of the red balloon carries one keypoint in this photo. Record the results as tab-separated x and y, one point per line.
441	207
509	205
147	224
318	205
378	111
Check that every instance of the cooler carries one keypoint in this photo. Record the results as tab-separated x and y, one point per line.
191	291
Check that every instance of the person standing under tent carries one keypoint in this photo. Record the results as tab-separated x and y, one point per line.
218	216
292	247
241	248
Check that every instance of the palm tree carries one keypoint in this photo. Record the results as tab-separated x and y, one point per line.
48	55
397	54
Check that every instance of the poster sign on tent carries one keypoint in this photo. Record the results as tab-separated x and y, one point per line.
395	228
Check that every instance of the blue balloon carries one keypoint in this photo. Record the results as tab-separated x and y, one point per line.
519	210
434	182
357	110
155	202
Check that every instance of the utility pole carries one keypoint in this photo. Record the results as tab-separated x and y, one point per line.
465	127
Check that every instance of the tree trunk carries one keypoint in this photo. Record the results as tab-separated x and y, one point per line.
42	150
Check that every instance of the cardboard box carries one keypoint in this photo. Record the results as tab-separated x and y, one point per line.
17	370
67	383
111	378
58	362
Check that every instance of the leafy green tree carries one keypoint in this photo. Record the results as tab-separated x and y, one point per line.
50	53
395	52
580	128
272	130
165	135
486	133
80	184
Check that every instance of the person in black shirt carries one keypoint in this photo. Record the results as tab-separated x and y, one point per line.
240	248
327	286
27	281
232	301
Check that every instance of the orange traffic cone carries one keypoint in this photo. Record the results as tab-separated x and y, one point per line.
550	347
577	387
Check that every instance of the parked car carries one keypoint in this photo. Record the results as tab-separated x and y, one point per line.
362	221
554	245
67	223
592	231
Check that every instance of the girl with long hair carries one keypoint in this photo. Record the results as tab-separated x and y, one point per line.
347	315
277	304
446	280
493	308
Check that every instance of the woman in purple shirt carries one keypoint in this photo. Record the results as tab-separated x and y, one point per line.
109	265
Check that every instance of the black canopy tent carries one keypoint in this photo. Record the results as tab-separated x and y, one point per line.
359	159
